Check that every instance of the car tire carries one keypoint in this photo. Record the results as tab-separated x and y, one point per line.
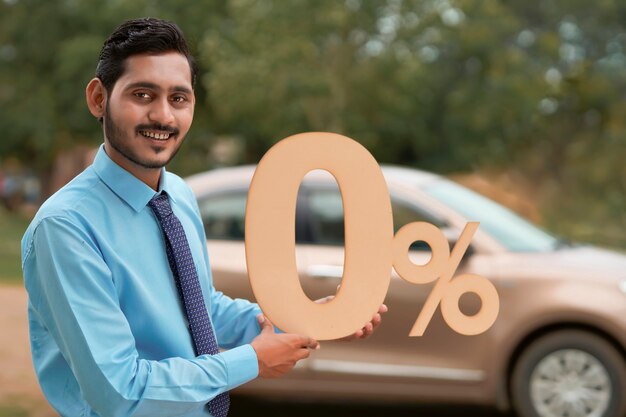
569	368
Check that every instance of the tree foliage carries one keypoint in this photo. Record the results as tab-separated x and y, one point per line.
446	85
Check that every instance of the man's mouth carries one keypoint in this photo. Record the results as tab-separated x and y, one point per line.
156	135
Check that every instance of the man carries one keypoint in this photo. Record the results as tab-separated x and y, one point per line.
118	327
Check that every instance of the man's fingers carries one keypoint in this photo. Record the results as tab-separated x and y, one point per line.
382	309
325	299
265	323
367	330
312	344
302	354
309	343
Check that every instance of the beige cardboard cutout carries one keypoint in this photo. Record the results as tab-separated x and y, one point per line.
442	266
370	247
270	235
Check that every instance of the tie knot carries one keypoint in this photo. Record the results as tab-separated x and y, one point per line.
160	204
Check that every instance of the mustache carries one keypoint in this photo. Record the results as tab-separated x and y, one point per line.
156	126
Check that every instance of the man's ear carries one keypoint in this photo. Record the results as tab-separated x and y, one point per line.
96	96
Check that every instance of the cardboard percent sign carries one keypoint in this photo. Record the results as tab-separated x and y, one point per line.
371	249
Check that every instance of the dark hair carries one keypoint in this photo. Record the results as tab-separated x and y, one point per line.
140	36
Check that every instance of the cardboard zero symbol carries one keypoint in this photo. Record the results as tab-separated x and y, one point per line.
370	246
270	235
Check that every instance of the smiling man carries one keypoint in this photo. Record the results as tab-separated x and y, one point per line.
124	319
148	113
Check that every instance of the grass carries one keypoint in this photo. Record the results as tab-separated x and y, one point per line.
13	411
12	227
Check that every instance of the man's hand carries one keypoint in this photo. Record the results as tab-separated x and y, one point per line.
278	353
367	330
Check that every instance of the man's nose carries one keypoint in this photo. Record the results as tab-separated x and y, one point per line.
161	112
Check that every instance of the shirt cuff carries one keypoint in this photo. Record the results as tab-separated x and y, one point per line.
242	365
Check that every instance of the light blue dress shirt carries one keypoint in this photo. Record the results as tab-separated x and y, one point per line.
108	333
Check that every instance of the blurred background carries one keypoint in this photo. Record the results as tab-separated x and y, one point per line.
521	101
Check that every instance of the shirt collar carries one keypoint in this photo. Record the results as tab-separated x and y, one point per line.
125	185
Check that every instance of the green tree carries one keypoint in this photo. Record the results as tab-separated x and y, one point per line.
446	85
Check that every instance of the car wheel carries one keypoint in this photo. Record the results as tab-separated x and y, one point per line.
569	373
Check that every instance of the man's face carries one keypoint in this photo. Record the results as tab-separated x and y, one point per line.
149	111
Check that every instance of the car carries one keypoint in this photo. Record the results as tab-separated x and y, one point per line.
557	348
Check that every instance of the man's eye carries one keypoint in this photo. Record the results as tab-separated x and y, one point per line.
179	99
142	95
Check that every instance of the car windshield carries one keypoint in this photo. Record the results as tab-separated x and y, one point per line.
513	232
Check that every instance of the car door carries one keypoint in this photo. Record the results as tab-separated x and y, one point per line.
390	353
223	216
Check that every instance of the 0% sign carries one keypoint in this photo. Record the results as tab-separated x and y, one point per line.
371	248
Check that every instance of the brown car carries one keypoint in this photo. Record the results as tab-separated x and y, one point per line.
557	348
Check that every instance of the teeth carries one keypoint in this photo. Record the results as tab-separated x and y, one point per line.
160	136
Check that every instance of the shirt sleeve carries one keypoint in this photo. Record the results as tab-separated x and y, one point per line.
234	321
72	290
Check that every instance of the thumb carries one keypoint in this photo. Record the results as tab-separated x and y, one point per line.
265	324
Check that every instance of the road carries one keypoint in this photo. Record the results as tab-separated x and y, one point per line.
246	407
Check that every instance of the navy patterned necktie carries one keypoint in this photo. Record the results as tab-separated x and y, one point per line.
184	270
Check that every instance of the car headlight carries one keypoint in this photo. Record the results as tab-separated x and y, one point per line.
622	285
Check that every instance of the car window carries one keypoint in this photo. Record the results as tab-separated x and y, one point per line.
405	213
223	215
325	213
513	232
325	216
